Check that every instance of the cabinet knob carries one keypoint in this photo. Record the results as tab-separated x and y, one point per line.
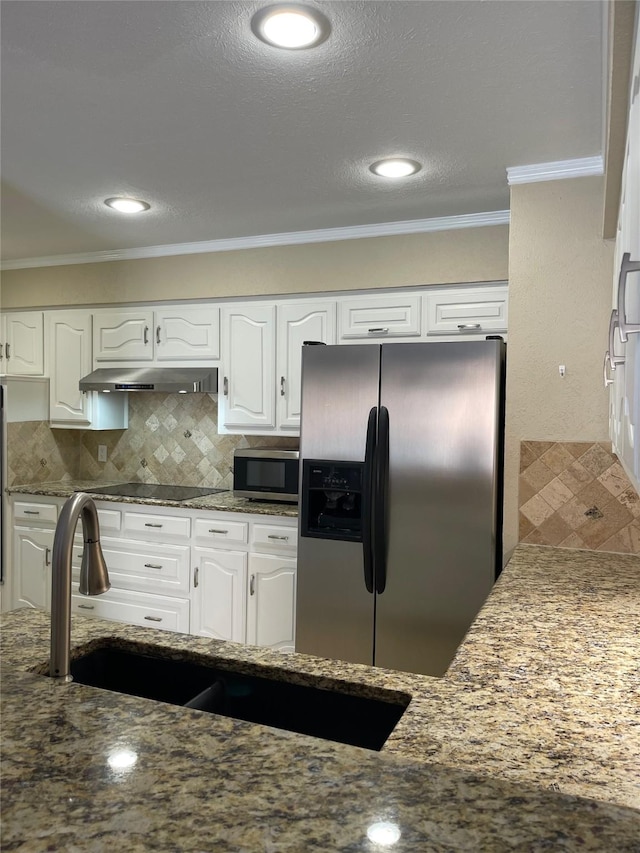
468	326
378	330
151	524
153	618
281	538
86	607
157	334
252	585
7	351
31	512
153	565
196	573
282	386
47	556
225	386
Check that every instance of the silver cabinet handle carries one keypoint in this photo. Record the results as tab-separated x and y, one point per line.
606	378
157	334
152	566
378	330
7	351
1	350
196	573
47	556
31	512
626	267
613	358
252	585
282	386
282	538
86	607
464	326
153	618
216	530
146	335
151	524
225	386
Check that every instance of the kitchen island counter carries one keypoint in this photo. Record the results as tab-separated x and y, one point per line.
487	758
221	502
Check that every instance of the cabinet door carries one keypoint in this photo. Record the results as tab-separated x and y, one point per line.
247	398
219	594
24	344
3	342
298	322
187	334
32	562
477	311
377	318
123	336
70	360
272	602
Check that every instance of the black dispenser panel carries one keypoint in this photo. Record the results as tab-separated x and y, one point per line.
332	499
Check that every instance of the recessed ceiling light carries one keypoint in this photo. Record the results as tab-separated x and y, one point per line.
291	27
395	167
127	205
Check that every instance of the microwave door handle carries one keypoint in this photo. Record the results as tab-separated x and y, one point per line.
368	507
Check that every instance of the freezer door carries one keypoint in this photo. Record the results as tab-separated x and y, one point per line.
444	405
334	616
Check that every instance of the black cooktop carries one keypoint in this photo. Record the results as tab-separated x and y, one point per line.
155	490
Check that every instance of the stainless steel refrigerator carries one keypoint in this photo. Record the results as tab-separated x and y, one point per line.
401	456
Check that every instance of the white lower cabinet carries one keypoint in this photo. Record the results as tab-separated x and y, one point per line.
228	576
219	594
271	602
32	565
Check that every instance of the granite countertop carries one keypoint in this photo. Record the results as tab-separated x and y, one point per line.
222	502
530	742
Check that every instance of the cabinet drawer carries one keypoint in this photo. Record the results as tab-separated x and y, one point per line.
464	313
164	569
135	608
380	317
109	519
25	511
158	527
272	537
209	530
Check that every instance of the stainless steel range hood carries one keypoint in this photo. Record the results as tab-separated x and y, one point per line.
167	380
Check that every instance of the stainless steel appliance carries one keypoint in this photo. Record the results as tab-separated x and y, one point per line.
400	525
167	380
266	473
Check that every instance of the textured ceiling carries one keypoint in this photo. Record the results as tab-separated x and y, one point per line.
177	103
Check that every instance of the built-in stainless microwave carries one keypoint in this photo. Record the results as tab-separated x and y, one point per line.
265	473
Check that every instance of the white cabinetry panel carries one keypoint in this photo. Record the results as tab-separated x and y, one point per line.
219	594
187	334
135	608
247	398
466	312
298	322
32	567
23	348
379	317
123	336
271	603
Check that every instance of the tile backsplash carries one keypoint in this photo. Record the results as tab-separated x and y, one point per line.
171	439
577	495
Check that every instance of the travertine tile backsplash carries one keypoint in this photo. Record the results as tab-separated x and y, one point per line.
577	495
170	439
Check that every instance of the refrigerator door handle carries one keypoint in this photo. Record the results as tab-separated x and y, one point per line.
368	508
380	524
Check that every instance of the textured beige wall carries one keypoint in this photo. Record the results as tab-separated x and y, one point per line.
560	285
442	257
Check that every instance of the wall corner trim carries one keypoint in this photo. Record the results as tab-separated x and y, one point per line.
556	171
292	238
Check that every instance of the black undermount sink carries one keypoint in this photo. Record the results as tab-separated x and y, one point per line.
329	714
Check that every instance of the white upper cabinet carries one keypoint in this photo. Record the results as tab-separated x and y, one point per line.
465	311
298	322
69	334
23	343
187	334
178	334
247	395
376	318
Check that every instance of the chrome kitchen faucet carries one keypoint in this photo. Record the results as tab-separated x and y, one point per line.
94	577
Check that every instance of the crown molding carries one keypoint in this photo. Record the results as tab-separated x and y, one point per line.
557	171
292	238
